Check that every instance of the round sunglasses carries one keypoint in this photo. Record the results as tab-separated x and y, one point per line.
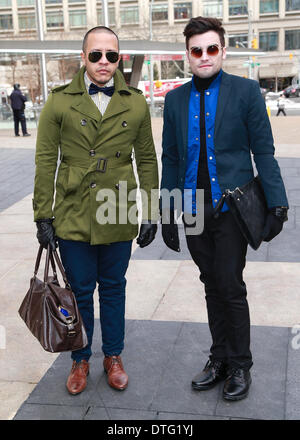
96	55
211	50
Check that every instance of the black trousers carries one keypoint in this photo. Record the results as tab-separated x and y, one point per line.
220	253
19	116
281	110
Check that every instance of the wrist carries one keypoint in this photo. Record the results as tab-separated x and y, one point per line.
45	220
280	212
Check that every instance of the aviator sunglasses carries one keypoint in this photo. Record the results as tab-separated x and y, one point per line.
211	50
96	55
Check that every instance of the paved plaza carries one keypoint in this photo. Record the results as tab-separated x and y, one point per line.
167	336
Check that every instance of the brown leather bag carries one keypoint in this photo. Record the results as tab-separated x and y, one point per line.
50	311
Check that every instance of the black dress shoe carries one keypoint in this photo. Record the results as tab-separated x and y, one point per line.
237	384
27	134
214	372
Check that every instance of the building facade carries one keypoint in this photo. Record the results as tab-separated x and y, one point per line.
274	24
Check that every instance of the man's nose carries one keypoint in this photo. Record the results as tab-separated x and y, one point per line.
204	55
103	59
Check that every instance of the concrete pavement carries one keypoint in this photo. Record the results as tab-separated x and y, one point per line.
167	338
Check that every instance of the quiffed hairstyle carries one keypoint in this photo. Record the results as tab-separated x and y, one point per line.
200	25
97	29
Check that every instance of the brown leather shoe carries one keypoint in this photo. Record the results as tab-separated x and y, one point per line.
77	379
117	378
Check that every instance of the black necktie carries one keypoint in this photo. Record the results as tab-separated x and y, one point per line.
93	89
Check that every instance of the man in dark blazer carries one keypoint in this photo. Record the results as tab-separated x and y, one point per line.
17	102
212	126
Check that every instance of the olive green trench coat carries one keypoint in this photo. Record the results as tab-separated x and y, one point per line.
95	186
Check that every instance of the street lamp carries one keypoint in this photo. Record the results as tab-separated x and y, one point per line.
40	25
151	61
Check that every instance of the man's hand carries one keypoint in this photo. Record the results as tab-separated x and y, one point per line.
169	230
46	233
147	233
274	223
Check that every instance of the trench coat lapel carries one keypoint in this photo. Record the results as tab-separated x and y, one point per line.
85	105
224	93
117	104
82	102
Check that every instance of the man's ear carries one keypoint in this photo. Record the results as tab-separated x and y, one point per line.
187	56
83	57
224	53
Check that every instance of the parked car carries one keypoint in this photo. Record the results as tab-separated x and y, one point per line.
292	91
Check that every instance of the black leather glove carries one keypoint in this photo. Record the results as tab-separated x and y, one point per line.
147	233
46	233
274	223
169	230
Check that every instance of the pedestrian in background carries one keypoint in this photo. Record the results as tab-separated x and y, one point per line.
281	105
95	121
17	102
212	124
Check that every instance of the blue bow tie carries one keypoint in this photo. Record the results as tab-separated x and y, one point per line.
93	89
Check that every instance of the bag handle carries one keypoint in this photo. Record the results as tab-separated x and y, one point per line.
60	266
38	260
49	258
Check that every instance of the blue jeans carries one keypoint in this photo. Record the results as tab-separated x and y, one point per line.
86	265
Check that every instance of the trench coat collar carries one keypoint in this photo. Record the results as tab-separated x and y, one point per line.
86	106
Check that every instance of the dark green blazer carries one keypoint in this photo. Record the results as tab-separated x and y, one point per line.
242	131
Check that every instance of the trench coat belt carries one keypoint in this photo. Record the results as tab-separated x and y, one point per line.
96	164
100	164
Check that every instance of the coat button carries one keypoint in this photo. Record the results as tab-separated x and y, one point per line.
92	153
118	153
124	124
83	122
93	185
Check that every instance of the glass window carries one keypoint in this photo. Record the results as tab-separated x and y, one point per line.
292	5
111	16
4	3
268	41
238	40
77	17
213	8
268	6
53	1
238	7
182	10
26	2
54	19
292	39
129	14
76	1
6	22
27	21
160	12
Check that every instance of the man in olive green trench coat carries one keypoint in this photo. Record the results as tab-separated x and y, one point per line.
94	123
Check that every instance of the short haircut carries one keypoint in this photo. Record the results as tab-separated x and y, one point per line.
200	25
97	29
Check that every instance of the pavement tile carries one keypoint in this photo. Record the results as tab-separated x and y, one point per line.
293	377
98	413
187	416
186	360
50	412
285	247
145	357
266	399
